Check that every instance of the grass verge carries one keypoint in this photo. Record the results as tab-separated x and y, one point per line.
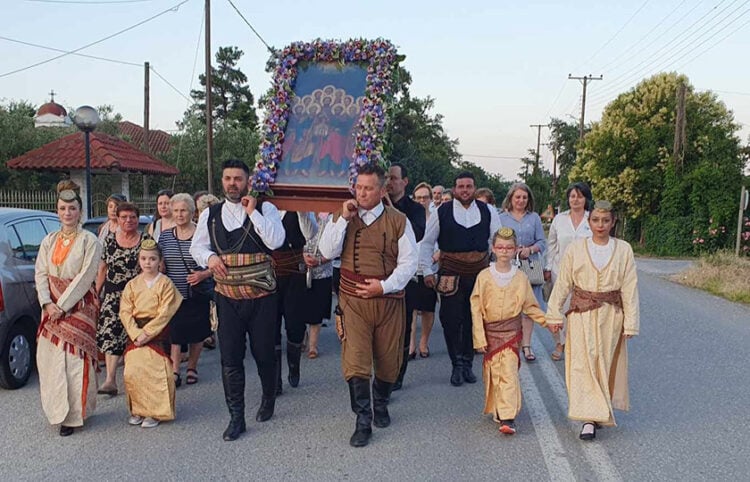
722	274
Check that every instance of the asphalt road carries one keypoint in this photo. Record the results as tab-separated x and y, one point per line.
689	381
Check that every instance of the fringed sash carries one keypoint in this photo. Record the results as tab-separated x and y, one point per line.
160	344
583	301
464	264
76	330
502	335
287	262
349	280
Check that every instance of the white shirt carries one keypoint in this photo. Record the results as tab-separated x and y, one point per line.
561	234
466	217
267	225
307	223
503	279
332	243
600	255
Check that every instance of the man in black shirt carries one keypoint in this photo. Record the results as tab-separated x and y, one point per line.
415	213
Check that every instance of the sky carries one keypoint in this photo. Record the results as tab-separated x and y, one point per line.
493	67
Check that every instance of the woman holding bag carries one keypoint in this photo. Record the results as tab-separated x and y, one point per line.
518	213
190	325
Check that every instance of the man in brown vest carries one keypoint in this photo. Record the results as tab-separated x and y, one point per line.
378	258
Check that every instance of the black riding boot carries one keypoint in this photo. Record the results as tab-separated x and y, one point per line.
381	395
456	360
466	372
293	354
265	411
279	390
402	371
233	379
359	393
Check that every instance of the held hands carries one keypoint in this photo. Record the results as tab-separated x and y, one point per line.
371	288
249	202
554	328
430	280
482	349
349	209
195	277
141	340
523	253
310	260
216	266
53	311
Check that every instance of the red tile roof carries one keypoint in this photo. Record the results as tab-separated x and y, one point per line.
52	108
158	141
107	153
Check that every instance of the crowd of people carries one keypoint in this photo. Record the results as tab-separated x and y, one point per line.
244	269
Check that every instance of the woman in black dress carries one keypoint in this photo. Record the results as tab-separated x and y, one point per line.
190	325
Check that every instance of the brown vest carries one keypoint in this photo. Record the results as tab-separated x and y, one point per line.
373	250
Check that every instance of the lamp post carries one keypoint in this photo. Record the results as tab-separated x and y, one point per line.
86	119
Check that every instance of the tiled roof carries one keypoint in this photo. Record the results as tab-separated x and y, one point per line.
107	153
52	108
158	141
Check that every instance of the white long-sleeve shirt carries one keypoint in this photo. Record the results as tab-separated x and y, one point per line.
332	243
561	234
267	225
307	223
466	217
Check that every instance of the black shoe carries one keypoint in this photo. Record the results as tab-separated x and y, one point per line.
235	428
65	431
457	378
279	389
381	395
588	435
265	411
293	355
359	394
466	372
397	385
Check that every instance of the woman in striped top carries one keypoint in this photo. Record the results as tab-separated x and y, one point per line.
190	325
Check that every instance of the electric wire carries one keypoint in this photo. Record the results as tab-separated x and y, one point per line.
95	57
251	27
171	9
93	2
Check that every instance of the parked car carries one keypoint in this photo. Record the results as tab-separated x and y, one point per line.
21	234
92	224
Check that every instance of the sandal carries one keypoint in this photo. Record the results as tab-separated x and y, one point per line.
177	380
557	355
528	354
424	354
192	376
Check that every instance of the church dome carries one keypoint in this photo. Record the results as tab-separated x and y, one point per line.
52	108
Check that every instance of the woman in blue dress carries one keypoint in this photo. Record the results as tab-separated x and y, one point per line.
518	213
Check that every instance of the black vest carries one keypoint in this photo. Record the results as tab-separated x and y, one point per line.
454	238
294	238
223	241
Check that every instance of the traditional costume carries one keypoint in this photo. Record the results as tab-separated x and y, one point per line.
604	307
463	235
246	299
376	244
289	266
66	354
146	307
497	303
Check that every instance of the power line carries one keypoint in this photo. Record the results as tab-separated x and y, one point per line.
123	62
171	9
93	2
251	27
169	84
718	41
613	36
730	91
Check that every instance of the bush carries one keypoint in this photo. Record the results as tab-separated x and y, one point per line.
668	236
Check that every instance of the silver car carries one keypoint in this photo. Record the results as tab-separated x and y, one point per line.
21	234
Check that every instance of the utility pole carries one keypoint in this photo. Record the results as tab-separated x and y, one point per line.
744	199
585	79
209	107
146	110
538	141
680	136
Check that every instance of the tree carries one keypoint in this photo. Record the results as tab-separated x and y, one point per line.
231	98
564	138
538	179
627	158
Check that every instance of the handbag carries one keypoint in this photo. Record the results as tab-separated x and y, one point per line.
206	287
447	285
532	268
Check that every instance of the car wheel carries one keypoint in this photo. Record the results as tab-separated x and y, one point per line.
16	357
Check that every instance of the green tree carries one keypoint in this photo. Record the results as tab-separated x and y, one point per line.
231	98
564	138
627	158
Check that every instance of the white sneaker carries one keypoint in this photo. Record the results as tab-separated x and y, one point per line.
135	420
149	422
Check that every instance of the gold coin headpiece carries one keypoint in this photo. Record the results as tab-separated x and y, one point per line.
603	206
67	195
506	233
149	245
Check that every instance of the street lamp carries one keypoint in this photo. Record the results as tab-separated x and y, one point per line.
86	119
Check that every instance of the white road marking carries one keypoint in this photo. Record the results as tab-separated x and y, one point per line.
552	449
597	456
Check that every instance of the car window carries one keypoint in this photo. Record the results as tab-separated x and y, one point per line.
52	224
30	235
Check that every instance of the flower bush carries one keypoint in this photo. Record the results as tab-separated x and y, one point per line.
382	61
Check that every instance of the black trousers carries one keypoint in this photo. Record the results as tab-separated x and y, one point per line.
292	307
455	316
410	294
256	318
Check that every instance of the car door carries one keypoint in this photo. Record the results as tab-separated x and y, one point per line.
24	236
